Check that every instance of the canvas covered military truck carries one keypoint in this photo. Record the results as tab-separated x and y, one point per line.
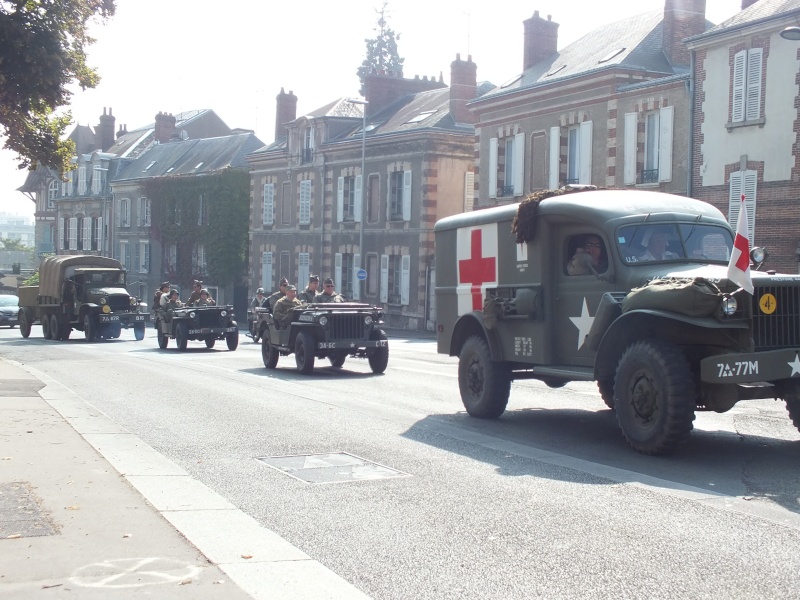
661	330
334	331
82	292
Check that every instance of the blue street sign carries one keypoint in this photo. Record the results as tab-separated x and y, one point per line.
362	274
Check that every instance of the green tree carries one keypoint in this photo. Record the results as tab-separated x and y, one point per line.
9	244
382	52
42	51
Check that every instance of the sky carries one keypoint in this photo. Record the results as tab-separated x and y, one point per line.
177	55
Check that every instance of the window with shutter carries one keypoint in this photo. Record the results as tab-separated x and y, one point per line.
340	198
746	77
266	270
384	278
573	155
469	191
305	202
405	280
88	242
373	277
144	257
519	161
493	168
81	180
406	195
303	266
585	175
753	91
358	199
666	118
73	233
98	236
555	158
743	182
268	214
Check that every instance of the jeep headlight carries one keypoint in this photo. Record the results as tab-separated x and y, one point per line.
729	305
224	313
106	308
192	314
367	320
323	320
103	300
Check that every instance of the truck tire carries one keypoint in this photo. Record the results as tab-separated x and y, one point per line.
46	326
655	397
484	384
55	327
163	338
89	327
606	387
268	354
25	323
305	352
379	359
232	339
138	331
792	398
182	335
66	329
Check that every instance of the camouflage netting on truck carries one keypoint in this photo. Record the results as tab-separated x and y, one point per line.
525	220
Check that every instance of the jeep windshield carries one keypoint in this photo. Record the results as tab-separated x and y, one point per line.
671	242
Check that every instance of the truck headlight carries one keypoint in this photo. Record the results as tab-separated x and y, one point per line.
729	305
323	320
367	320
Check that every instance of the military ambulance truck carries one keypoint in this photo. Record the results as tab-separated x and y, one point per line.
655	322
80	292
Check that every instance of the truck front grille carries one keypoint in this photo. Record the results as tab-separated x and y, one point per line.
781	328
119	303
346	327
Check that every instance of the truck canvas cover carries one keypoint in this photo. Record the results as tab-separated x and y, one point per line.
54	268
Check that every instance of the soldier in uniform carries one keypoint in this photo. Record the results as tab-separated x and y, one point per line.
162	289
273	299
328	294
259	300
195	296
282	313
308	294
205	299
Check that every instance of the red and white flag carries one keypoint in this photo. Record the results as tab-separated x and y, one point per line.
739	266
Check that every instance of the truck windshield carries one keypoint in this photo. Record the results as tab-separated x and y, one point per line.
114	279
669	242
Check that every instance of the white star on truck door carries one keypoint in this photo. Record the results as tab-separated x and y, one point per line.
583	323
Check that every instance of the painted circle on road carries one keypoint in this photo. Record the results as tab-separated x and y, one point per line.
768	304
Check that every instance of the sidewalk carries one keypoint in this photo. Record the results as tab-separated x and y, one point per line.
88	510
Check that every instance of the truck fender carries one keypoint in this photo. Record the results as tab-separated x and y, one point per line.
645	323
472	324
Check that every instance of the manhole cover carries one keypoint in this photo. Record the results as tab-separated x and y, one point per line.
20	512
337	467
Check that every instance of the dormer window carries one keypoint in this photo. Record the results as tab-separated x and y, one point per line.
611	55
147	168
556	70
421	116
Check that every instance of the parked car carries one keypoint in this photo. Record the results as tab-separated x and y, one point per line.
9	310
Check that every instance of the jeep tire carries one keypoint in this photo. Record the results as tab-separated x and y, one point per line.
182	335
379	359
163	338
337	360
305	352
268	354
210	341
655	397
484	384
232	339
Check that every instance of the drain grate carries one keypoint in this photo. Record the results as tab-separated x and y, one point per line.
20	512
336	467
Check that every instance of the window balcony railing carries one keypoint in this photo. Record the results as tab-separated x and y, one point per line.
394	299
506	191
572	181
650	176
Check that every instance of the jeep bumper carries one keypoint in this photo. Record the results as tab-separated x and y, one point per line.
212	330
751	367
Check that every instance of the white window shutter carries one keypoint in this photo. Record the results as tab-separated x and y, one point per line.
356	281
739	79
555	157
305	202
81	181
749	182
630	148
73	233
665	143
60	244
137	258
100	239
493	168
118	215
87	233
734	198
70	181
266	270
302	270
405	279
406	195
469	191
268	218
340	201
519	162
586	153
357	205
337	270
127	215
753	102
139	211
384	277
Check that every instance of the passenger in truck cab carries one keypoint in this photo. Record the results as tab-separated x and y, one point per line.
589	258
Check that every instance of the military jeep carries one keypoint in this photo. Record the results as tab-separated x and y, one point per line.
203	323
332	331
662	330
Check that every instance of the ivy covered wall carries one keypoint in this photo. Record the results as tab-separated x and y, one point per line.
224	199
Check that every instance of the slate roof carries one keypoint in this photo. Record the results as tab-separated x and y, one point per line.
190	157
338	108
633	43
763	10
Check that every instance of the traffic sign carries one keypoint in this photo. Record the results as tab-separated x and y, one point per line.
361	274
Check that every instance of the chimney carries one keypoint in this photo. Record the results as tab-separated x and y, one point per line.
463	88
105	130
285	112
123	130
748	3
682	19
165	127
541	39
382	88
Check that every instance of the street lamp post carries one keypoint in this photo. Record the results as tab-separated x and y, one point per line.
363	103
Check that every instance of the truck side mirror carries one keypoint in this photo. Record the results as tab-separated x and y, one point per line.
526	302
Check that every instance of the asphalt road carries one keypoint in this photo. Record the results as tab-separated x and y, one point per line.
426	502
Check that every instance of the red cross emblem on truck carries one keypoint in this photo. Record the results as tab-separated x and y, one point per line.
477	269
